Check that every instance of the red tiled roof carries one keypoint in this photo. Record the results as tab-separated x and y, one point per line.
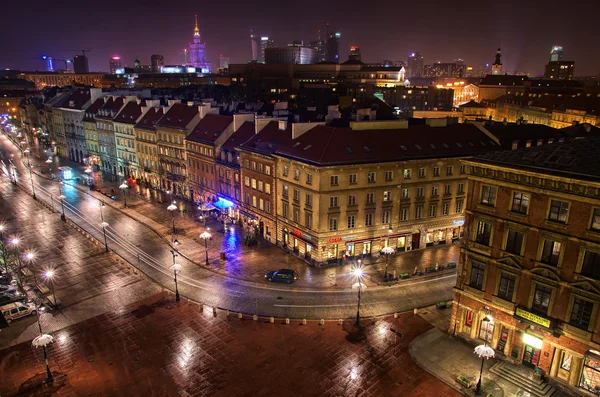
268	139
78	99
209	128
245	132
93	108
130	113
179	116
111	105
150	119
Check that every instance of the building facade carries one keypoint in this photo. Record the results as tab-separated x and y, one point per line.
106	135
147	147
531	259
125	138
91	134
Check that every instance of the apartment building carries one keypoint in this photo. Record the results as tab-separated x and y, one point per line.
106	135
92	156
531	259
147	147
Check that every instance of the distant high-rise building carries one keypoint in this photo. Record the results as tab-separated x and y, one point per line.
115	64
355	53
292	54
415	65
80	64
198	50
223	62
254	41
137	65
185	56
332	50
556	53
157	62
497	65
265	43
319	47
559	70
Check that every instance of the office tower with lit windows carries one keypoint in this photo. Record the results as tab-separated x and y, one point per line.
265	43
115	64
355	53
332	48
157	62
415	65
556	54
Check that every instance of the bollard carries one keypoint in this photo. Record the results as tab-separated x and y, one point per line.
287	320
272	320
303	321
201	308
255	317
240	316
322	322
415	311
340	322
395	315
214	311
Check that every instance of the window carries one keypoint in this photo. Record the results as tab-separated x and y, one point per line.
387	195
420	192
261	204
385	217
463	169
461	188
448	189
581	313
308	200
421	172
404	214
445	209
332	224
514	242
285	192
488	195
541	299
477	275
459	206
268	188
308	220
371	177
436	171
449	170
432	210
595	219
591	265
558	211
550	252
405	193
520	202
296	194
418	212
268	169
484	231
407	174
334	180
434	190
469	318
260	186
351	222
353	179
370	198
296	174
369	219
285	210
247	181
268	207
352	199
260	166
254	166
309	179
506	286
285	170
253	183
296	215
389	176
333	201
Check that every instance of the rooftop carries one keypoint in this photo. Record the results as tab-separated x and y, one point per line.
77	99
150	119
178	116
507	133
110	108
93	108
269	139
245	132
209	128
130	113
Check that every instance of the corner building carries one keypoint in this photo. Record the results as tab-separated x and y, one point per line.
532	257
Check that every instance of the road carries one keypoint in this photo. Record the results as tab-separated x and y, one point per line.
148	251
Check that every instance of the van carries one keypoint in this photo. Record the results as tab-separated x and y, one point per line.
14	311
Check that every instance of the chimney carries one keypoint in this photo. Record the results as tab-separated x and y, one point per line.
260	123
171	102
240	118
300	128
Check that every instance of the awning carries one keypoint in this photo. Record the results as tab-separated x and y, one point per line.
248	214
207	207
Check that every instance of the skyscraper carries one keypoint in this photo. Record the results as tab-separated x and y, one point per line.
223	62
80	64
265	43
254	43
157	62
415	65
332	51
185	56
355	53
497	65
556	53
198	50
115	64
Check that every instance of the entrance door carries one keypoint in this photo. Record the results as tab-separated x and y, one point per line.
416	239
531	356
261	228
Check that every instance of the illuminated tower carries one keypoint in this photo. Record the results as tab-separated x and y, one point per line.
198	50
254	42
497	65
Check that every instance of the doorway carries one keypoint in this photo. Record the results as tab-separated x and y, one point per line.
531	356
416	239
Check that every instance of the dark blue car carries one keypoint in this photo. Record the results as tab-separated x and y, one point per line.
282	276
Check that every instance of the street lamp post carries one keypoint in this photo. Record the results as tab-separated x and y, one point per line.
49	162
123	188
484	351
27	152
358	273
103	224
50	276
2	228
176	269
62	198
387	251
172	208
15	242
29	257
44	340
205	236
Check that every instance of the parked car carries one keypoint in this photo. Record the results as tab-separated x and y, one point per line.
10	297
14	311
282	275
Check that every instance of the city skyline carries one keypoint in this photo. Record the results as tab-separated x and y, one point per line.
526	47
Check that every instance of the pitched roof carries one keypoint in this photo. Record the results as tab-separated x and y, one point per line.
93	108
511	132
178	116
581	130
269	139
573	158
209	128
503	80
150	119
110	108
130	113
77	100
472	104
59	99
245	132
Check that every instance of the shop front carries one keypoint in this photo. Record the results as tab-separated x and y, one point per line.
590	372
302	243
532	350
332	249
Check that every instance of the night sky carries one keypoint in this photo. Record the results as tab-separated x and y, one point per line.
441	31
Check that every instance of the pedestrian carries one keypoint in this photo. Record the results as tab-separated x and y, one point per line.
437	266
416	269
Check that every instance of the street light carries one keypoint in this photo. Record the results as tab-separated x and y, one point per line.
49	162
358	273
30	174
172	208
29	257
484	351
123	188
103	224
205	236
387	251
49	276
62	203
176	269
44	340
15	243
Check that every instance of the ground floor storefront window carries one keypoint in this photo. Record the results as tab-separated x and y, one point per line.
366	249
590	375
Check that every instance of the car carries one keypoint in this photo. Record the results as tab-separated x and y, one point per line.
16	310
10	297
282	276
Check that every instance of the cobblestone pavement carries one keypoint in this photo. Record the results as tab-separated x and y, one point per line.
158	348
